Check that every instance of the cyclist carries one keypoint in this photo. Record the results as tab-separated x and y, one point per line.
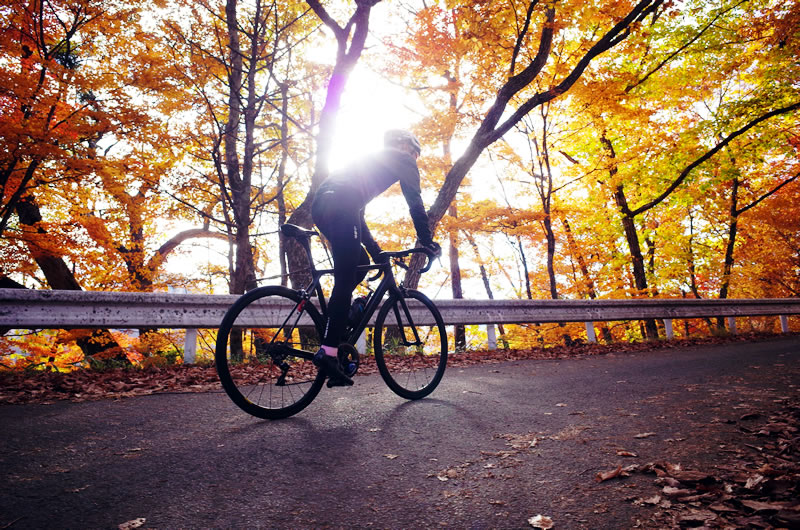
338	212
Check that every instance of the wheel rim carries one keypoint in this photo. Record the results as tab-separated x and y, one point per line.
256	363
411	368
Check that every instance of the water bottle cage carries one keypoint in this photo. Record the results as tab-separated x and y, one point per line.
356	310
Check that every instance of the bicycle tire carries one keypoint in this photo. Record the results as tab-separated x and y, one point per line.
411	371
256	364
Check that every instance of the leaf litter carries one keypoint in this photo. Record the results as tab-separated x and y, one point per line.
34	386
754	489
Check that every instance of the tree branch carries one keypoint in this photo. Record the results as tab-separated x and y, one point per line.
685	173
680	49
521	36
767	194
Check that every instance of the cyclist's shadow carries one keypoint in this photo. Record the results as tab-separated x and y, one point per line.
431	414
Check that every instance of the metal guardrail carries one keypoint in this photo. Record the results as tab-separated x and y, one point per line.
34	309
21	308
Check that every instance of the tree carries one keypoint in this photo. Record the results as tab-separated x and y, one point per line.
50	116
497	121
350	39
705	54
246	138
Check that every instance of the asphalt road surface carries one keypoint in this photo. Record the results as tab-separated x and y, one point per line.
495	445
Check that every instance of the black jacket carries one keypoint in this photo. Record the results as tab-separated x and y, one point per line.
374	174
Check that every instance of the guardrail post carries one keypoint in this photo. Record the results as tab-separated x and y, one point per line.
361	343
190	346
491	337
784	324
732	325
590	335
668	328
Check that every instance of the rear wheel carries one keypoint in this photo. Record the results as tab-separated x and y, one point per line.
411	354
264	349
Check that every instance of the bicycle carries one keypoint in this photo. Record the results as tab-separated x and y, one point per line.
268	337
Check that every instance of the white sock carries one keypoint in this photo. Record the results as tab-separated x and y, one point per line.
333	351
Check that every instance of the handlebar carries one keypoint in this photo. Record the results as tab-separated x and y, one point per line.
303	236
399	255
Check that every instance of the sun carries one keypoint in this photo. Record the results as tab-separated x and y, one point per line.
370	106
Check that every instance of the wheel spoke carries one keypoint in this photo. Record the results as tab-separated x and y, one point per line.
411	368
263	358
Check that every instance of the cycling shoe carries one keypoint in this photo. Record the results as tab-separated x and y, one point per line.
330	365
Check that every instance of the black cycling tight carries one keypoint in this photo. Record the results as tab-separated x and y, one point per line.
337	216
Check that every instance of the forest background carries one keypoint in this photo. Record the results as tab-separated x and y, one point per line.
572	149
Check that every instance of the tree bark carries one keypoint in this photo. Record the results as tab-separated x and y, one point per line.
355	31
239	179
631	237
459	332
59	276
281	200
56	272
525	268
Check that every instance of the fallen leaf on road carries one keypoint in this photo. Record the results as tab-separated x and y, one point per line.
669	491
390	457
645	435
652	500
626	453
541	521
697	518
133	523
758	506
608	475
692	477
752	482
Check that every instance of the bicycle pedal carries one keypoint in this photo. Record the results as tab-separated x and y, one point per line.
348	359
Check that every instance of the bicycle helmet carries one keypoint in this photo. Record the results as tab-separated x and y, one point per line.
393	137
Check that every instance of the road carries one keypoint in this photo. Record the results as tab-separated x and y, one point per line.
495	445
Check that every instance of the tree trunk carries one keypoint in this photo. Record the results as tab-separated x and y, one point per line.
551	252
486	284
588	286
525	268
243	274
727	265
355	32
55	271
59	276
637	259
631	236
281	199
460	335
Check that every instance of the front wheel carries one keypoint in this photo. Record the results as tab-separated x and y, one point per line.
410	346
264	349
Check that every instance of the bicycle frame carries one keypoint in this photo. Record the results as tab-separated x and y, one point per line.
387	284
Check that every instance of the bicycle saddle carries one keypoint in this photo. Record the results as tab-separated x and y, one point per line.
290	230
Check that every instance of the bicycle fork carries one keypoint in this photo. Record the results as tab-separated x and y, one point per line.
402	327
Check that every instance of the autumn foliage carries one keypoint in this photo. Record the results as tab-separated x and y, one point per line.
572	150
